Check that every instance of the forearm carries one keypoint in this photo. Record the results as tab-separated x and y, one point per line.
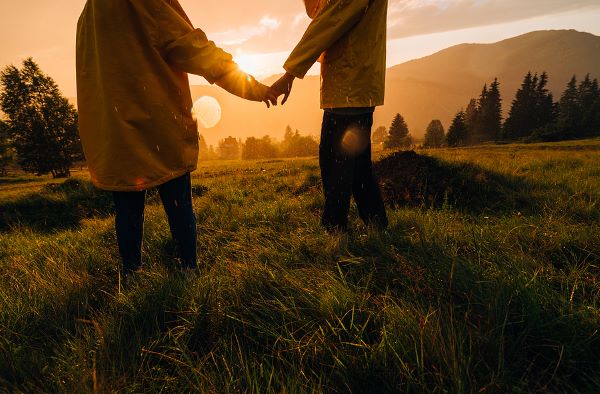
243	85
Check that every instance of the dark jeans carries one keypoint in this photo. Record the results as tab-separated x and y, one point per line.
346	169
176	196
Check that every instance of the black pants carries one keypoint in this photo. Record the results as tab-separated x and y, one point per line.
176	196
346	169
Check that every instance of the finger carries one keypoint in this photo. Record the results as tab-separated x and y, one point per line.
285	98
267	103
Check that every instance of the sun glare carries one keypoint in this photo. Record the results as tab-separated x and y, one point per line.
207	111
248	63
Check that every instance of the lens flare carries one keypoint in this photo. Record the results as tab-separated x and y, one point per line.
354	141
207	111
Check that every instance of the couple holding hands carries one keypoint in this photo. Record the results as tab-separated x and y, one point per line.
138	132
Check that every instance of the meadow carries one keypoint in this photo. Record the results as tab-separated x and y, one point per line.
487	280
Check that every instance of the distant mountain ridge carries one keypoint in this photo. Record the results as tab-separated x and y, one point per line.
432	87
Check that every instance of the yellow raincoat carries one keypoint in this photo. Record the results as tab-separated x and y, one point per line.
351	35
134	100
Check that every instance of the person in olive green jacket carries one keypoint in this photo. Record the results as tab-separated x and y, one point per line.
135	110
349	39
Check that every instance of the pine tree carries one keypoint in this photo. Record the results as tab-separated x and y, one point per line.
399	135
458	131
490	118
568	123
595	121
587	95
471	119
477	131
521	121
42	123
434	135
546	111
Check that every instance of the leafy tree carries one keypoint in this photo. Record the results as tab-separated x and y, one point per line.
434	135
255	148
458	131
379	135
205	152
6	149
296	145
229	149
399	135
42	123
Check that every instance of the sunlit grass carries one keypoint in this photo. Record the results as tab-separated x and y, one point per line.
446	300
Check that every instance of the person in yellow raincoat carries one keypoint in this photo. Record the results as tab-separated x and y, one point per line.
135	111
349	39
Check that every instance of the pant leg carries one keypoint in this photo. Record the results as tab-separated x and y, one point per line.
337	171
129	224
365	187
176	196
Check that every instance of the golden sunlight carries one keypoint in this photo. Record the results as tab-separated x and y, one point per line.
207	111
248	63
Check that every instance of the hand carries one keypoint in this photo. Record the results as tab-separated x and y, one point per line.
270	98
283	86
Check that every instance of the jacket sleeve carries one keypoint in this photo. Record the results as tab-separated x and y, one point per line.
336	18
189	50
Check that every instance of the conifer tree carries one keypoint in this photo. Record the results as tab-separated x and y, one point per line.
42	123
587	95
458	131
477	126
434	135
399	135
545	109
490	118
471	118
521	121
568	123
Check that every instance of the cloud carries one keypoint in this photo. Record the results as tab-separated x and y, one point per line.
241	35
414	17
406	18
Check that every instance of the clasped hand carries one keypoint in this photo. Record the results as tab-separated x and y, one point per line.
281	87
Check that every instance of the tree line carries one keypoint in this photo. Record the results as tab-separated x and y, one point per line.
40	131
293	144
534	116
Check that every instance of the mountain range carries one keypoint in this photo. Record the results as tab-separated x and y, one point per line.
433	87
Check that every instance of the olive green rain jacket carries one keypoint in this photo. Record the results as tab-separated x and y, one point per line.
351	35
134	100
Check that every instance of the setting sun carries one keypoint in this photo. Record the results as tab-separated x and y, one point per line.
207	111
249	63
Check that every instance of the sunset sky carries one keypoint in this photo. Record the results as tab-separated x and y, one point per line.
261	33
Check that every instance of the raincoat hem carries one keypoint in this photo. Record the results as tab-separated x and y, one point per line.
145	186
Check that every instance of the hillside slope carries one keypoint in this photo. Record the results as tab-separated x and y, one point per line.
435	86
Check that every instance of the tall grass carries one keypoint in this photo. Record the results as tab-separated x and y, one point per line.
447	300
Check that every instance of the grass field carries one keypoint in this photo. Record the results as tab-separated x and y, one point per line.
501	298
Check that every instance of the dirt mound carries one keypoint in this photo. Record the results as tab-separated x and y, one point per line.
410	179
